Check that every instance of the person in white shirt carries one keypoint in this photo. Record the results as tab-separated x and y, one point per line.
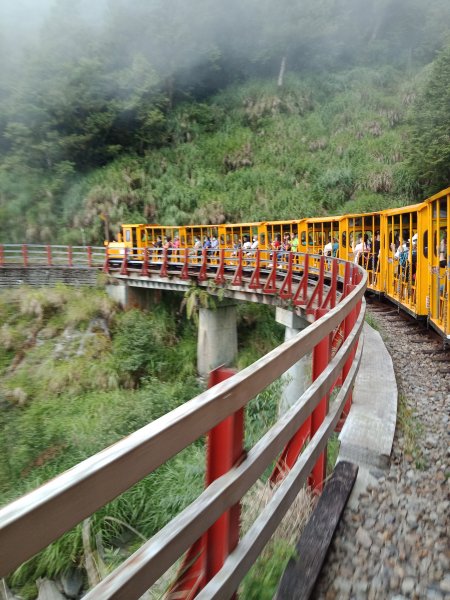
361	250
328	249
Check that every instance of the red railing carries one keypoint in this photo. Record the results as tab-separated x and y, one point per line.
207	529
40	255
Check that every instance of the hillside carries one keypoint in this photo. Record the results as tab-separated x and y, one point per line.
319	145
159	111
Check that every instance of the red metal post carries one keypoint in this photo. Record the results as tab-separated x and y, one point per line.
203	269
165	261
124	267
220	273
185	269
225	448
286	287
49	255
25	255
255	283
70	258
330	300
300	296
321	358
145	271
271	283
89	253
237	279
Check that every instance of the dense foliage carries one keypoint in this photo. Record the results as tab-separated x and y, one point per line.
430	148
118	114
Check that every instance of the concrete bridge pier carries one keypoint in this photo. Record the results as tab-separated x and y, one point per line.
298	377
133	297
217	337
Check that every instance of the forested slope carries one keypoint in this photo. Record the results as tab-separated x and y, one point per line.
208	111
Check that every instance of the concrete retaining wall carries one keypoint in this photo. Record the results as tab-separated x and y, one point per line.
39	276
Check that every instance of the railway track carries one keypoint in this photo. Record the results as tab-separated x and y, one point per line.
396	544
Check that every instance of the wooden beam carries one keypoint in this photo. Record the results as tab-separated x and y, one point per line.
301	573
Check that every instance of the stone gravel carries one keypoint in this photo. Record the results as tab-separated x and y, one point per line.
395	545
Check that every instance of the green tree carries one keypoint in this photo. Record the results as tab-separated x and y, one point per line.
430	140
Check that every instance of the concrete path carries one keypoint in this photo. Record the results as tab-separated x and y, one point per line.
368	434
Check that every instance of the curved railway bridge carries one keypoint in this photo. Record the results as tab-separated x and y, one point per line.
328	294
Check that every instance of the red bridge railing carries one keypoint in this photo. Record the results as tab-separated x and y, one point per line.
40	255
297	441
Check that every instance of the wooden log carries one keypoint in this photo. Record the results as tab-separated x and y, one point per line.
301	573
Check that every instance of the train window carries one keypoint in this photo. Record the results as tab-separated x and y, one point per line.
127	235
425	244
262	239
303	238
344	240
442	209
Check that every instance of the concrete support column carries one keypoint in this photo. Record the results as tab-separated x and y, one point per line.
133	297
298	377
217	337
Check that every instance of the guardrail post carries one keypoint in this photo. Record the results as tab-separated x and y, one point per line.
25	255
301	294
70	256
202	274
165	262
271	283
225	448
237	279
144	271
286	287
185	270
124	267
220	274
254	280
89	253
49	255
321	358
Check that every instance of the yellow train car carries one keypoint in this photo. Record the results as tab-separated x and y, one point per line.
436	253
404	249
317	232
131	237
403	269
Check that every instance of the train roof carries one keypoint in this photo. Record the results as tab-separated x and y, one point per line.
404	209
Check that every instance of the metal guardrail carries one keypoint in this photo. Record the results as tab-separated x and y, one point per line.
39	255
43	515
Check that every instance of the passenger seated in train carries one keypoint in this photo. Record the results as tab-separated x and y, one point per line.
294	242
255	242
443	251
328	248
361	251
275	244
286	245
197	246
247	245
